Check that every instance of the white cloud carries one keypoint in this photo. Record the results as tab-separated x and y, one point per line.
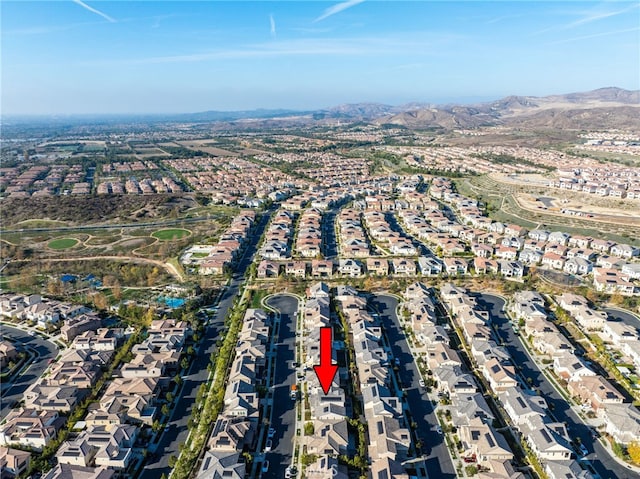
594	16
93	10
272	22
597	14
594	35
339	7
419	43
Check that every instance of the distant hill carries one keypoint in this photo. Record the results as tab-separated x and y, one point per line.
603	108
609	107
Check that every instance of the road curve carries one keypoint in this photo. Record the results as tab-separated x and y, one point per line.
44	350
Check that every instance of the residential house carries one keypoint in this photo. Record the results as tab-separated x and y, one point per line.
484	442
579	266
499	375
70	471
403	266
511	269
378	266
594	392
13	462
297	269
350	267
622	422
30	428
429	266
268	269
321	268
455	266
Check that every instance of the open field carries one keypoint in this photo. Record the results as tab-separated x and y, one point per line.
624	158
502	205
62	243
150	242
171	234
205	145
530	186
41	223
87	210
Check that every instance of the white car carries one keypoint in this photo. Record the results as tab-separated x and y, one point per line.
438	429
290	472
268	445
421	383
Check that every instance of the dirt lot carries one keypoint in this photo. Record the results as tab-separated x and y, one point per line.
610	210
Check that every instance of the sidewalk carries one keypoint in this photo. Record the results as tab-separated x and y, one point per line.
607	446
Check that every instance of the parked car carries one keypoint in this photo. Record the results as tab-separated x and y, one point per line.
583	450
421	383
438	429
271	433
265	466
267	446
290	472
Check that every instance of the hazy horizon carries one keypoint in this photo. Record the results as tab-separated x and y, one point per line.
164	58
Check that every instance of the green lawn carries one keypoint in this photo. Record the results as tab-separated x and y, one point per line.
171	234
62	243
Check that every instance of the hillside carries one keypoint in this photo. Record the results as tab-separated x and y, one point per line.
602	108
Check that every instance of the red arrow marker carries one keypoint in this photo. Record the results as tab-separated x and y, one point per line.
325	371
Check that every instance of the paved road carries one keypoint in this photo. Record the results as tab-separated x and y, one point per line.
625	316
602	462
329	234
396	226
283	416
45	350
437	459
177	431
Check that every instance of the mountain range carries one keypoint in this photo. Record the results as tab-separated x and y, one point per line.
609	107
604	108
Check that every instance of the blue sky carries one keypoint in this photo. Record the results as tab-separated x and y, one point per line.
67	57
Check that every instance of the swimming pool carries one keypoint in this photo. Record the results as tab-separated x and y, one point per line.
171	302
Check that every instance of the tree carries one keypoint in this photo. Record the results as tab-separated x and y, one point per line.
116	290
100	301
308	429
149	316
54	287
165	410
634	451
152	276
616	299
172	461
